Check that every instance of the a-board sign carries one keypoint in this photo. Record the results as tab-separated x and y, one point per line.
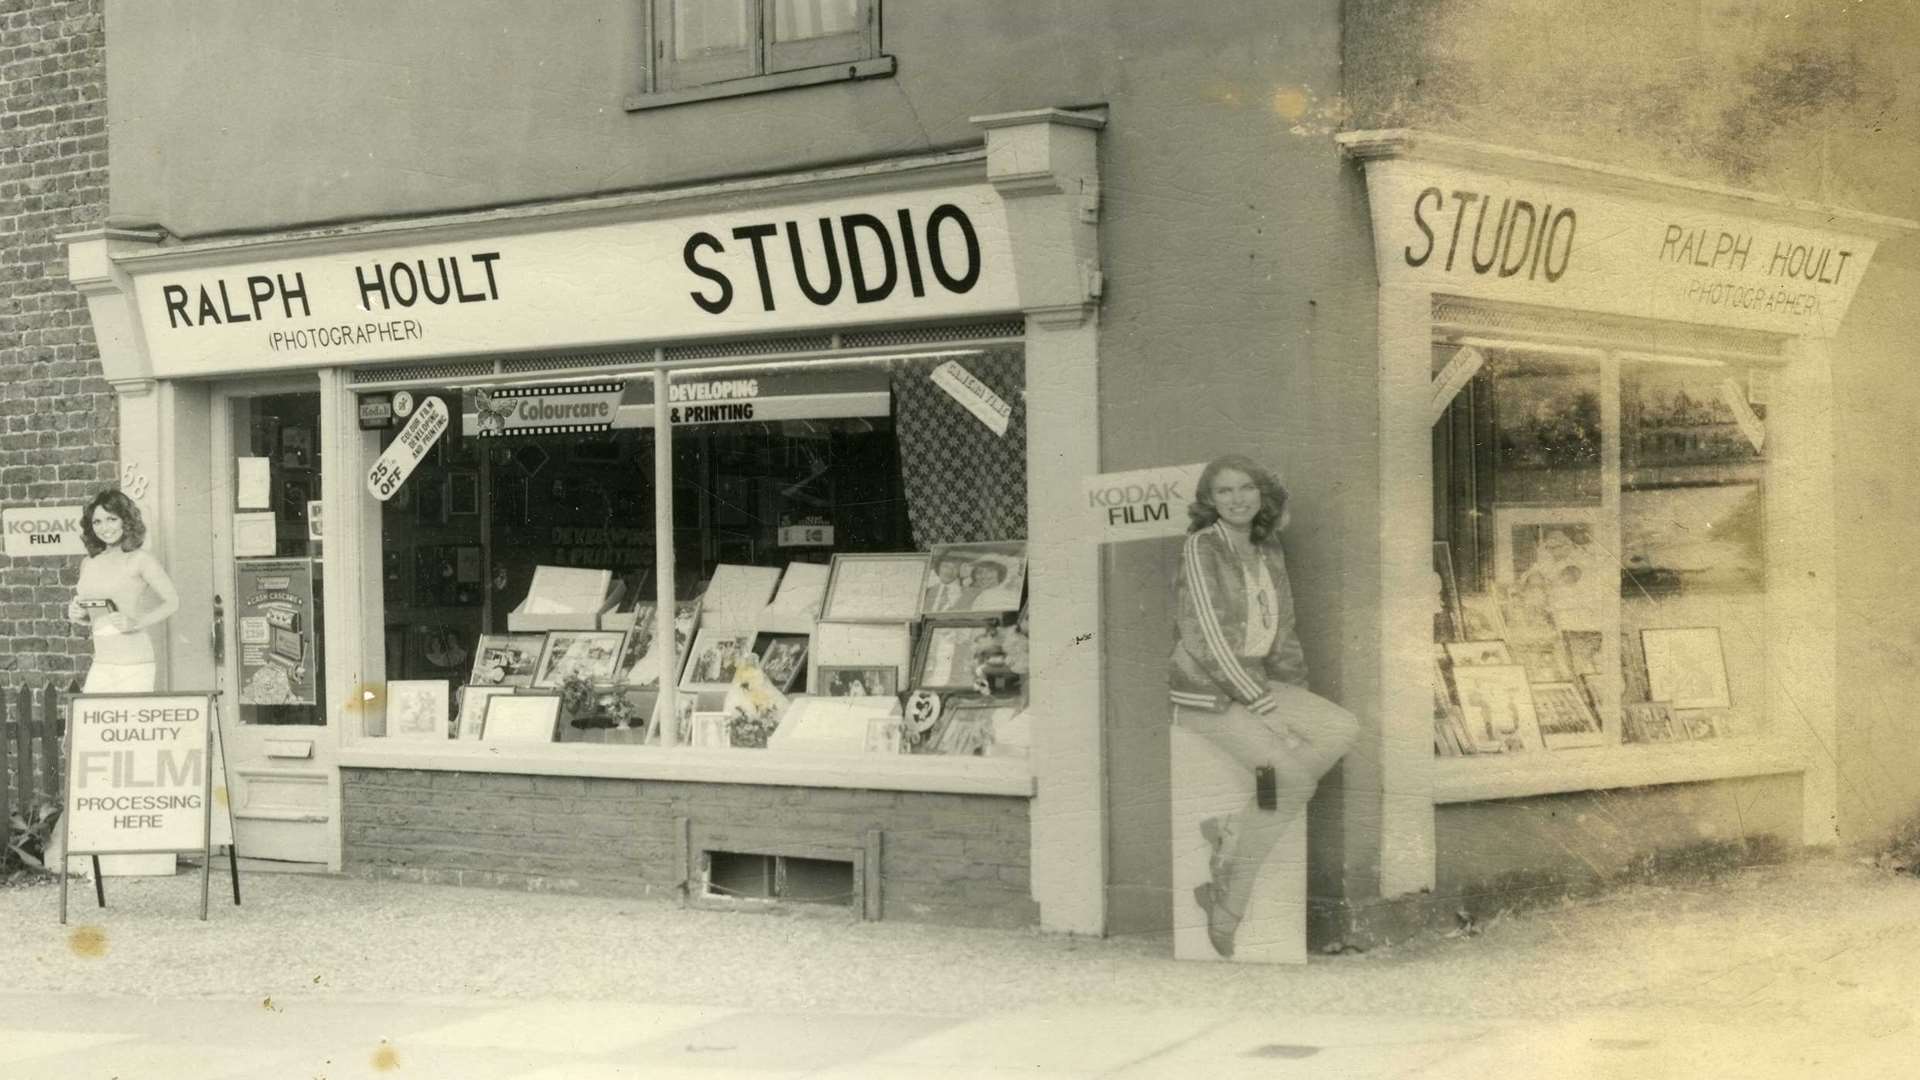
429	422
139	768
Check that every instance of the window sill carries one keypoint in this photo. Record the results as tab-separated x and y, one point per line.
1553	772
878	67
883	772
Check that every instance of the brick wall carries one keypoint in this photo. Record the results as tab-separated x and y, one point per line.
956	859
58	441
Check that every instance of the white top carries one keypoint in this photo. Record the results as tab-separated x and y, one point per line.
1263	609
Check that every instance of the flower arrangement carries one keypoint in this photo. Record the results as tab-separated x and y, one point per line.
591	706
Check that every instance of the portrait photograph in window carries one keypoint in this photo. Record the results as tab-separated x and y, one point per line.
588	654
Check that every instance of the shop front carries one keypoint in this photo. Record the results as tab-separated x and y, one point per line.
1608	632
717	543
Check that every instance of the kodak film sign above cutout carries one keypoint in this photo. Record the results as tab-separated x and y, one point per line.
928	254
42	530
1535	242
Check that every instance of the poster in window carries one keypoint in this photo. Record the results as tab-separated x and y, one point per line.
275	620
1686	668
875	588
974	578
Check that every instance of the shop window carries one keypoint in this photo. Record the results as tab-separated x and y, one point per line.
851	532
712	48
1600	540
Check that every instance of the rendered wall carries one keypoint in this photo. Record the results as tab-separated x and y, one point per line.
58	437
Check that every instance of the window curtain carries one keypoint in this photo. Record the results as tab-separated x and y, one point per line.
962	481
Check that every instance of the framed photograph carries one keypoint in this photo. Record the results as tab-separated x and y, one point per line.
714	655
640	664
974	579
1692	539
709	729
949	652
506	659
1449	591
296	447
1686	668
1676	420
1557	555
1498	706
965	727
1698	724
1478	653
636	648
1564	717
1650	722
783	657
473	709
859	681
463	494
417	708
1544	658
520	718
589	653
875	588
1548	443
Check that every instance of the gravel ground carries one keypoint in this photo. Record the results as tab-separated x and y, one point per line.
1807	941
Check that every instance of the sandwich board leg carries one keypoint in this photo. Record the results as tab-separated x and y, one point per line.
99	882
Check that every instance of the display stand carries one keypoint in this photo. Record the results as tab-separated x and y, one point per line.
153	822
1206	783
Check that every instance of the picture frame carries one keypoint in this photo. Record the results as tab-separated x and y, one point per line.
1449	591
1560	553
520	718
1478	653
473	710
1498	705
417	708
1686	667
783	658
943	659
1650	722
1481	618
1692	538
715	654
509	660
977	578
1564	717
636	648
590	653
850	681
463	494
861	645
874	587
644	671
965	727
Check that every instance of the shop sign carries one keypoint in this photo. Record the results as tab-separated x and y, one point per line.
890	257
546	410
138	769
376	411
811	531
403	456
42	530
1142	504
1539	242
276	620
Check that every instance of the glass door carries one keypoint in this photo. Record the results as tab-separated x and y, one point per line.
270	580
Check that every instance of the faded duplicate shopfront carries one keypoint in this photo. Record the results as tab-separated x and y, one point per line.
449	490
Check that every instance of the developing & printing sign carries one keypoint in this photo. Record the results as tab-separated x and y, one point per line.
928	254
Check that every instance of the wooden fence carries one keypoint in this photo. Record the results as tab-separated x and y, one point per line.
31	730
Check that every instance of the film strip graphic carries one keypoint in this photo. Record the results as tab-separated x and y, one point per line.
499	403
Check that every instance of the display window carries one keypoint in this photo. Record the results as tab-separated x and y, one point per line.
1600	544
831	520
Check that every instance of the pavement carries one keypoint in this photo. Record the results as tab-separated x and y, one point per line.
1800	970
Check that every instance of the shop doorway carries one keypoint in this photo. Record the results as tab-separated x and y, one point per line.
269	581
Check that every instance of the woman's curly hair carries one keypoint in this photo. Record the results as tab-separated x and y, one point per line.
1273	498
113	501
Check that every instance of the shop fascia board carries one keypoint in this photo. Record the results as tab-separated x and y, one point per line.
960	776
1513	163
962	166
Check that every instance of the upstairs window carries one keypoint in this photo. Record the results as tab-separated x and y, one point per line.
714	48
